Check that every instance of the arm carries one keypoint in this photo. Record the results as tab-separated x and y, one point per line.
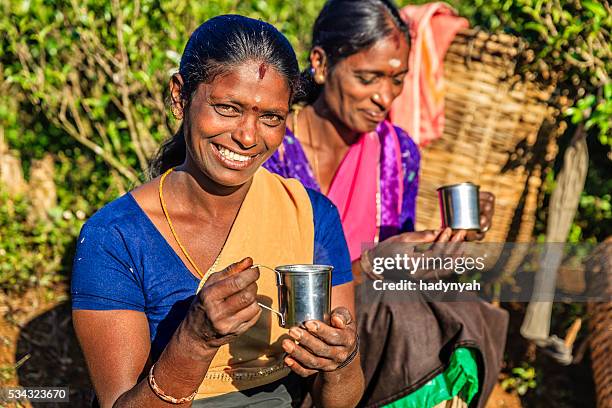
344	387
322	348
116	346
116	342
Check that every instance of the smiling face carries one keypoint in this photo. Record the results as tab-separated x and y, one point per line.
236	122
359	89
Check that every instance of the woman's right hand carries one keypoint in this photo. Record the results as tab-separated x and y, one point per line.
226	306
445	243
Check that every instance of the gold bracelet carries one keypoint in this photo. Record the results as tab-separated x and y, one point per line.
163	396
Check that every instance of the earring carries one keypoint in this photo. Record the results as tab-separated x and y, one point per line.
319	79
177	112
312	71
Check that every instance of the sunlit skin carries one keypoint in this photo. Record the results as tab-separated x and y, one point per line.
357	95
243	110
239	111
359	90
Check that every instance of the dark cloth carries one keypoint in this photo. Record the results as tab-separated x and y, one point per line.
407	342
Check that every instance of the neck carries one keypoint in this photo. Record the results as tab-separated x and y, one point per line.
324	122
199	194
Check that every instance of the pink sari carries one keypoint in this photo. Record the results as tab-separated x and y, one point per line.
355	190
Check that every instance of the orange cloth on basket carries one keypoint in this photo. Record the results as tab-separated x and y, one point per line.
420	107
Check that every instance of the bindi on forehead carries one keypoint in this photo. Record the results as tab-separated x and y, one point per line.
394	63
257	99
262	70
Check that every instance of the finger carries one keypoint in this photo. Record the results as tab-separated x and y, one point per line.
306	358
486	212
454	248
256	311
312	343
240	300
458	236
330	335
445	235
420	236
474	236
231	326
232	269
437	249
341	317
486	196
298	369
233	284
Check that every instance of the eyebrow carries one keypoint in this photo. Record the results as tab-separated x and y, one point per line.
229	99
381	73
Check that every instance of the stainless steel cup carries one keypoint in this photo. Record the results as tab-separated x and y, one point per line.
460	206
304	293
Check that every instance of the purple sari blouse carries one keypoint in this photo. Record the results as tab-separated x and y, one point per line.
294	164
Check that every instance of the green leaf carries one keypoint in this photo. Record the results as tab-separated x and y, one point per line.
595	8
539	28
608	90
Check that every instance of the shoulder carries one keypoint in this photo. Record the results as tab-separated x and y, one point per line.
322	207
119	212
325	216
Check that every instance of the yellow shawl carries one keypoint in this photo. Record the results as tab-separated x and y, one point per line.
275	227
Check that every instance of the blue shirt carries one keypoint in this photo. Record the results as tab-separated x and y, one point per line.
123	262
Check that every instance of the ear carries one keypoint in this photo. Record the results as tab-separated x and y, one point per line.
319	63
176	87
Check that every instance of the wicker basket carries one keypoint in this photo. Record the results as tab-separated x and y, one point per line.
493	135
599	278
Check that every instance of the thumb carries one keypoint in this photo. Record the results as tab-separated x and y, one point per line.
232	269
341	317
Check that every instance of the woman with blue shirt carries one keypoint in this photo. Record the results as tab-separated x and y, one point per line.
165	295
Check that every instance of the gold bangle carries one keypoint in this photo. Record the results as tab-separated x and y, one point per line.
163	396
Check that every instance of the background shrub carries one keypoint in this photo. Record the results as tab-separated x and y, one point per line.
86	81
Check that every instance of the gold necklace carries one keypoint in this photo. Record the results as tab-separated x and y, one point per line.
176	238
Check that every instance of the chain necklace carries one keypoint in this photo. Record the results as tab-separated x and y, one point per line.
174	234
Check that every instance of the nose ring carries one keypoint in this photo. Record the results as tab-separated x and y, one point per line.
376	97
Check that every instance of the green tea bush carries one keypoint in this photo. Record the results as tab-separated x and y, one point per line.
96	72
87	82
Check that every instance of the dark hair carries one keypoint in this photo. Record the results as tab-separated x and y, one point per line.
215	47
346	27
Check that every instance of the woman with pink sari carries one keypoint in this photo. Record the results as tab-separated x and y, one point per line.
339	142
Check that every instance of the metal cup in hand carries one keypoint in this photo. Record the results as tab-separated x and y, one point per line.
460	206
304	293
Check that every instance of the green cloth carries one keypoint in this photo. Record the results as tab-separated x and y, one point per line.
460	378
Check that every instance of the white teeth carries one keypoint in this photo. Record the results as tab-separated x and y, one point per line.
228	154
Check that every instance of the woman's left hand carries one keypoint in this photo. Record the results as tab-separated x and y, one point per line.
321	347
487	209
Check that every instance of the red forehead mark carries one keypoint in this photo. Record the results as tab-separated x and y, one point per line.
262	70
255	109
